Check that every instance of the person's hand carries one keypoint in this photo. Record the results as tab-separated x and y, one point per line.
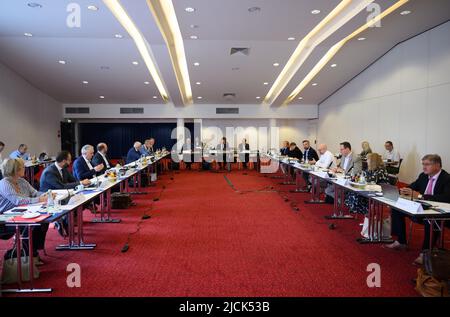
312	161
409	192
85	182
334	170
98	168
43	198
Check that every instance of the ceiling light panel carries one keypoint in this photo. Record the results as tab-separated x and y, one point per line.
166	19
339	16
143	47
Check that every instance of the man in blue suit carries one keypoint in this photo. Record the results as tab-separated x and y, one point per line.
82	167
56	176
134	153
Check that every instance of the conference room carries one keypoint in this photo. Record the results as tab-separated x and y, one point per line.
224	149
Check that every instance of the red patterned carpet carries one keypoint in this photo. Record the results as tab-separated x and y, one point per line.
206	239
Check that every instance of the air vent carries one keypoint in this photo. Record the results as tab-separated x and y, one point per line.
77	110
240	50
229	96
131	110
227	110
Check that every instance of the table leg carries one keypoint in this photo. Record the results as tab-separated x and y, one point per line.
73	244
315	192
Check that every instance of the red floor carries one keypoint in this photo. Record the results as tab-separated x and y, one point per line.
205	239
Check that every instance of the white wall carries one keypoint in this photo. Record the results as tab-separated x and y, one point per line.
27	116
403	97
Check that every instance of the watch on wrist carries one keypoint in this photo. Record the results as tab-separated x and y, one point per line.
420	196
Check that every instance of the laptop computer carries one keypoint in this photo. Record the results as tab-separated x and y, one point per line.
390	192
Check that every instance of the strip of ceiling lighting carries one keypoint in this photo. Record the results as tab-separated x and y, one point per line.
344	12
141	43
164	14
335	48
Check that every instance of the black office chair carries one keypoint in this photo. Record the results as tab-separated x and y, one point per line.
394	170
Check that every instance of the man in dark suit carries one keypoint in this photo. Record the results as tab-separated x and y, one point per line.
285	149
101	157
56	176
434	185
82	167
134	153
309	154
294	151
244	157
224	158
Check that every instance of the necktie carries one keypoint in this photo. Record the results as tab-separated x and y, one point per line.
429	190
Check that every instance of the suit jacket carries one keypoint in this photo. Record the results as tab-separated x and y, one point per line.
81	170
354	164
133	155
296	153
441	188
310	155
51	179
284	151
98	159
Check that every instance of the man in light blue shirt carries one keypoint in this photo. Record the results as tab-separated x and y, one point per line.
21	153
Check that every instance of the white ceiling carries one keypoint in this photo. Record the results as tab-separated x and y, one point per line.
222	24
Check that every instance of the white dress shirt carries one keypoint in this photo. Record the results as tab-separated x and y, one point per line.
346	161
88	163
59	170
105	159
326	160
393	155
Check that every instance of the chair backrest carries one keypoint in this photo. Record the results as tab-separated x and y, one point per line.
392	179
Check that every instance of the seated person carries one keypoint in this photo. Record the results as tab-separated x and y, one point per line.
82	167
432	184
134	153
16	191
244	157
101	157
146	148
56	176
294	152
376	174
349	163
21	152
365	150
285	148
392	156
326	159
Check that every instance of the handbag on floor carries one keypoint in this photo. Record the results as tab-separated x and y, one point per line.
10	266
120	200
428	286
386	230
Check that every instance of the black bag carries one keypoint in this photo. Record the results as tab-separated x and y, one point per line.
120	200
437	264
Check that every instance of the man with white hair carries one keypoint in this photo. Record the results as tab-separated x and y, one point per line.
326	159
134	153
82	167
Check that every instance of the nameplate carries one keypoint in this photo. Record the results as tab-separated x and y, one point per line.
322	174
342	181
409	205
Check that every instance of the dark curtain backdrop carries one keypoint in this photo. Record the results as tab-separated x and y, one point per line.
121	136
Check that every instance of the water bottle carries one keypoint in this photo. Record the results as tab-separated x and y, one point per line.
50	201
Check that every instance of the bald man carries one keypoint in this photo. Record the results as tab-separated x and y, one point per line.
326	159
101	157
134	153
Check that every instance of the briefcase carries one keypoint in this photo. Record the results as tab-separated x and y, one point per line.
120	200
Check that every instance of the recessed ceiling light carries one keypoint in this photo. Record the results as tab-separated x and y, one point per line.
85	82
300	98
291	38
102	97
276	64
199	97
118	36
135	63
333	65
155	97
196	64
194	37
406	12
189	9
254	9
314	84
258	97
235	68
28	34
104	67
193	26
92	8
146	83
62	62
198	83
361	38
265	83
35	5
315	11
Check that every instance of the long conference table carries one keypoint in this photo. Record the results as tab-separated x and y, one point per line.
435	216
74	210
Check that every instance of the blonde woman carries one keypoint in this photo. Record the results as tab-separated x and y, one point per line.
365	150
16	191
375	174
